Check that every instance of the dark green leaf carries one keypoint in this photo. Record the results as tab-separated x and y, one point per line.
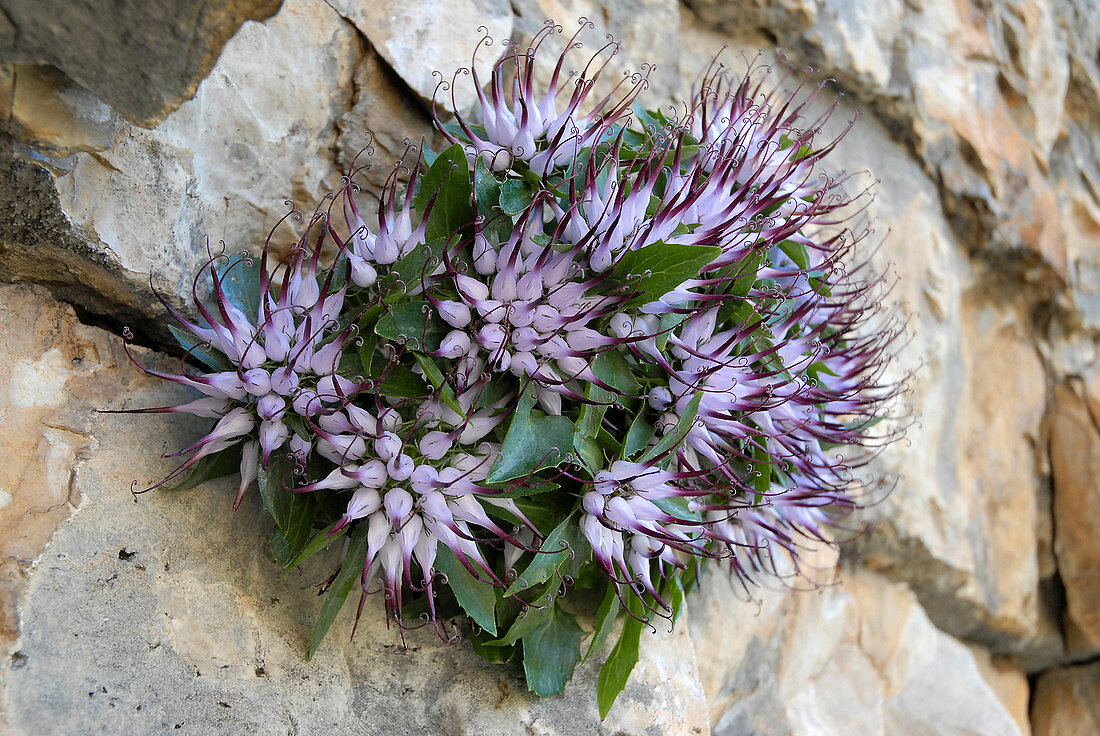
293	512
435	377
412	270
651	272
678	507
209	467
350	571
320	541
531	617
240	281
515	196
412	323
551	652
565	540
677	434
532	443
605	619
448	181
762	471
497	226
207	356
746	270
620	663
476	598
638	436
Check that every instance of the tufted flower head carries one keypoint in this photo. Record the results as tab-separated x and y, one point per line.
587	346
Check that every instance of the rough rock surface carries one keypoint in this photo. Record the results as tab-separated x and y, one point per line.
428	42
1067	702
179	588
981	121
141	58
97	227
856	656
1075	464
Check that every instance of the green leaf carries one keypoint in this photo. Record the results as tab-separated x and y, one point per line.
678	433
797	253
412	323
746	270
516	196
399	382
620	663
435	377
413	269
477	599
240	281
551	652
448	180
674	593
209	467
762	470
532	443
669	322
320	541
678	507
651	272
638	435
605	619
487	190
531	617
555	551
293	512
195	348
350	571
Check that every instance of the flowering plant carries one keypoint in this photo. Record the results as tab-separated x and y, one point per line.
587	348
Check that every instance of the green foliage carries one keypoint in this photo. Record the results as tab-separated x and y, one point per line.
649	273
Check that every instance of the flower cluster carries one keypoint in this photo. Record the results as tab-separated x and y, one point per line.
587	347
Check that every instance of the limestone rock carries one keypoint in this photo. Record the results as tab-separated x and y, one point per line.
51	113
1075	463
259	131
141	58
141	617
975	89
858	656
423	38
1067	702
381	124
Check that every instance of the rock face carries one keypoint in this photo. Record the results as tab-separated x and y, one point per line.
1075	464
143	59
126	163
178	587
1067	702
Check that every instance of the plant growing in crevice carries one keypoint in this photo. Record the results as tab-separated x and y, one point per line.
587	349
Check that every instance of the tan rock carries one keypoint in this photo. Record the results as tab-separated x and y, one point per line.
385	120
1067	702
170	610
429	41
52	113
856	657
260	130
1075	462
1009	683
54	373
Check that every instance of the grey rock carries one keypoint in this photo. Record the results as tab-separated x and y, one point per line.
142	58
429	42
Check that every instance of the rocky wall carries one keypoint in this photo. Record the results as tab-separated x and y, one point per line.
969	606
